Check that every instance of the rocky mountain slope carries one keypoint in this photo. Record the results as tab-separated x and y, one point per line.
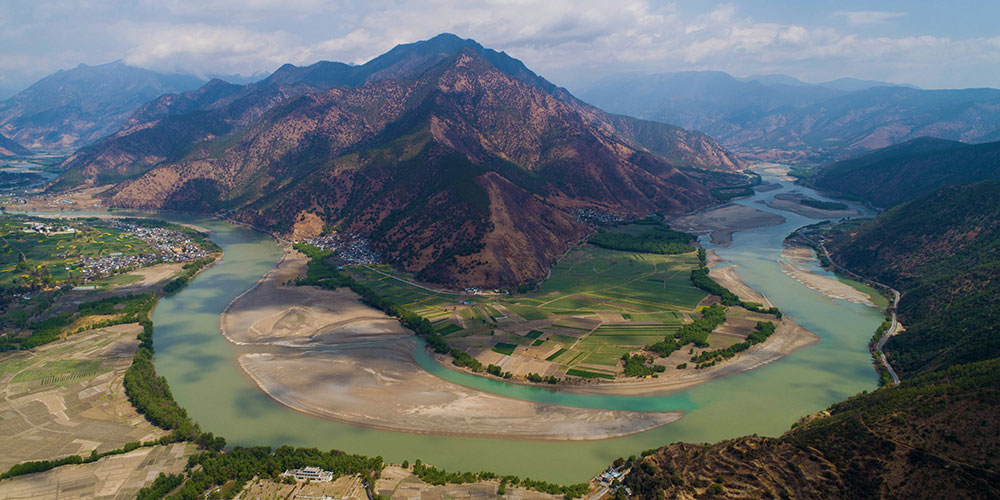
456	161
76	107
932	437
769	116
905	171
11	148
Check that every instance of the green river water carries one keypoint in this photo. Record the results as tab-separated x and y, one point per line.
206	380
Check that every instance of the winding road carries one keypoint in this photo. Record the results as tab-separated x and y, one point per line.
893	328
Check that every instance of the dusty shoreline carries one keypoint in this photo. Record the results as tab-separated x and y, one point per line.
833	288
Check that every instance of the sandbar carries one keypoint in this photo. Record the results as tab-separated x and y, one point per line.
383	387
792	203
721	222
826	285
271	313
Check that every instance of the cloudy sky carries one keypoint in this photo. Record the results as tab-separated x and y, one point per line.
568	41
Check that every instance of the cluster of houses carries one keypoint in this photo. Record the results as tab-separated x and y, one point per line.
592	217
352	248
611	479
172	245
311	474
169	245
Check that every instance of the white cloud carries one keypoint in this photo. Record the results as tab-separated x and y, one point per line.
862	17
564	40
206	49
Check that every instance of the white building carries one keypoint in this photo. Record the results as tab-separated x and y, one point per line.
312	474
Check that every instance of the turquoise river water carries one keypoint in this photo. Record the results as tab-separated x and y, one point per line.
206	379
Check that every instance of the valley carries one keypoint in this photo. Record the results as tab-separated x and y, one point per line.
199	361
232	269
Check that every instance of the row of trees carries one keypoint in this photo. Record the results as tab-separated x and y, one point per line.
239	465
433	475
761	332
695	332
700	279
657	238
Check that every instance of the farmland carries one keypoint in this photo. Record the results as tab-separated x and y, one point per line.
598	305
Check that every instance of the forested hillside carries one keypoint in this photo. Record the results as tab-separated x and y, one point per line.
942	252
914	168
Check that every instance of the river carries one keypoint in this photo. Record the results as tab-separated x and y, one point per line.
206	379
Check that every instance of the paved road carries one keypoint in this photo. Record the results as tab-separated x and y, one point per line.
885	336
893	328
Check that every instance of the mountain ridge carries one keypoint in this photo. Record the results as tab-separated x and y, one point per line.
9	147
779	118
506	155
899	173
72	108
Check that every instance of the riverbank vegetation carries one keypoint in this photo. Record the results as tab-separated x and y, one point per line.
761	332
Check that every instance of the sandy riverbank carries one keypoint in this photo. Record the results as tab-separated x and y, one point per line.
831	287
383	387
722	222
379	384
273	314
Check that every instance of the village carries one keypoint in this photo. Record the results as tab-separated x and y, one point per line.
353	249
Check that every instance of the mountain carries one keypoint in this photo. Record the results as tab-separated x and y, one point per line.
457	162
11	148
855	84
777	115
905	171
933	436
942	251
72	108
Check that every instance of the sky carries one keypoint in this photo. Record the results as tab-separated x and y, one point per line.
953	44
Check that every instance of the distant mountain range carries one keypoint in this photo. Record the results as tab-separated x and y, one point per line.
905	171
778	117
73	108
456	161
9	147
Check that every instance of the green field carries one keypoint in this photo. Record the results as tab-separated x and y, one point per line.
597	305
